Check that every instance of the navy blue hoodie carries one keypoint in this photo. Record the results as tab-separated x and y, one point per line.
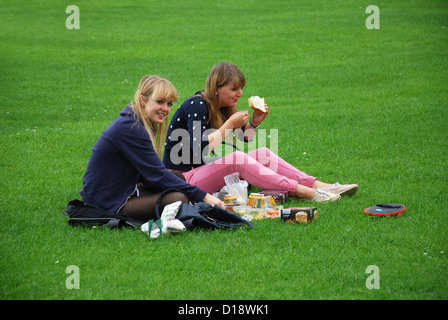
122	157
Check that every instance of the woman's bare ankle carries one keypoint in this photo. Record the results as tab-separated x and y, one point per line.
320	184
305	193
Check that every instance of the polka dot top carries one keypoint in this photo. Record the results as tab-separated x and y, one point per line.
187	136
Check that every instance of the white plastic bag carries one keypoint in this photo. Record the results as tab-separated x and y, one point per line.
155	231
168	221
236	187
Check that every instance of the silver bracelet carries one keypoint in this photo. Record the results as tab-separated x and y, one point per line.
250	123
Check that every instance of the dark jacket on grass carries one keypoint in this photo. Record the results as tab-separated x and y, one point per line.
122	157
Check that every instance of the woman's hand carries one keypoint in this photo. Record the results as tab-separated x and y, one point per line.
259	116
239	119
212	200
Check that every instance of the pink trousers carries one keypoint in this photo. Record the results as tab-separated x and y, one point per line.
260	168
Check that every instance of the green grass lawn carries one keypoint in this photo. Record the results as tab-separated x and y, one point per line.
350	104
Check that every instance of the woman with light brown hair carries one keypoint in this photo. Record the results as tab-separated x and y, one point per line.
125	173
208	118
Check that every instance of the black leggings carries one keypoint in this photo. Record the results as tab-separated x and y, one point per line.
142	207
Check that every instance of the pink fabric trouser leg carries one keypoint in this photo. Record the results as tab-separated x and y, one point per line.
261	168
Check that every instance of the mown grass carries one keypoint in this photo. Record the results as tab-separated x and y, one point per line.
350	104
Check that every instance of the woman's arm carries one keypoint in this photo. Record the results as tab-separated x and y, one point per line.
254	123
134	143
237	120
213	201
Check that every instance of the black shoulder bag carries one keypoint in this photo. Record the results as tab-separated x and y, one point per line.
204	216
81	214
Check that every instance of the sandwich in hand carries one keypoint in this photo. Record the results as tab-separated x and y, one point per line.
257	103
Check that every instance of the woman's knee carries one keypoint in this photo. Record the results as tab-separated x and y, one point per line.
263	149
262	152
235	158
173	197
239	157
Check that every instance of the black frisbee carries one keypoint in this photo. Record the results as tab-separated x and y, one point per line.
385	209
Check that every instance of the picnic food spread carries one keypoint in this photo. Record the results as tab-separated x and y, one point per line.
261	206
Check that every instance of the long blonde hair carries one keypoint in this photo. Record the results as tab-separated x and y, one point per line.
219	76
152	86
